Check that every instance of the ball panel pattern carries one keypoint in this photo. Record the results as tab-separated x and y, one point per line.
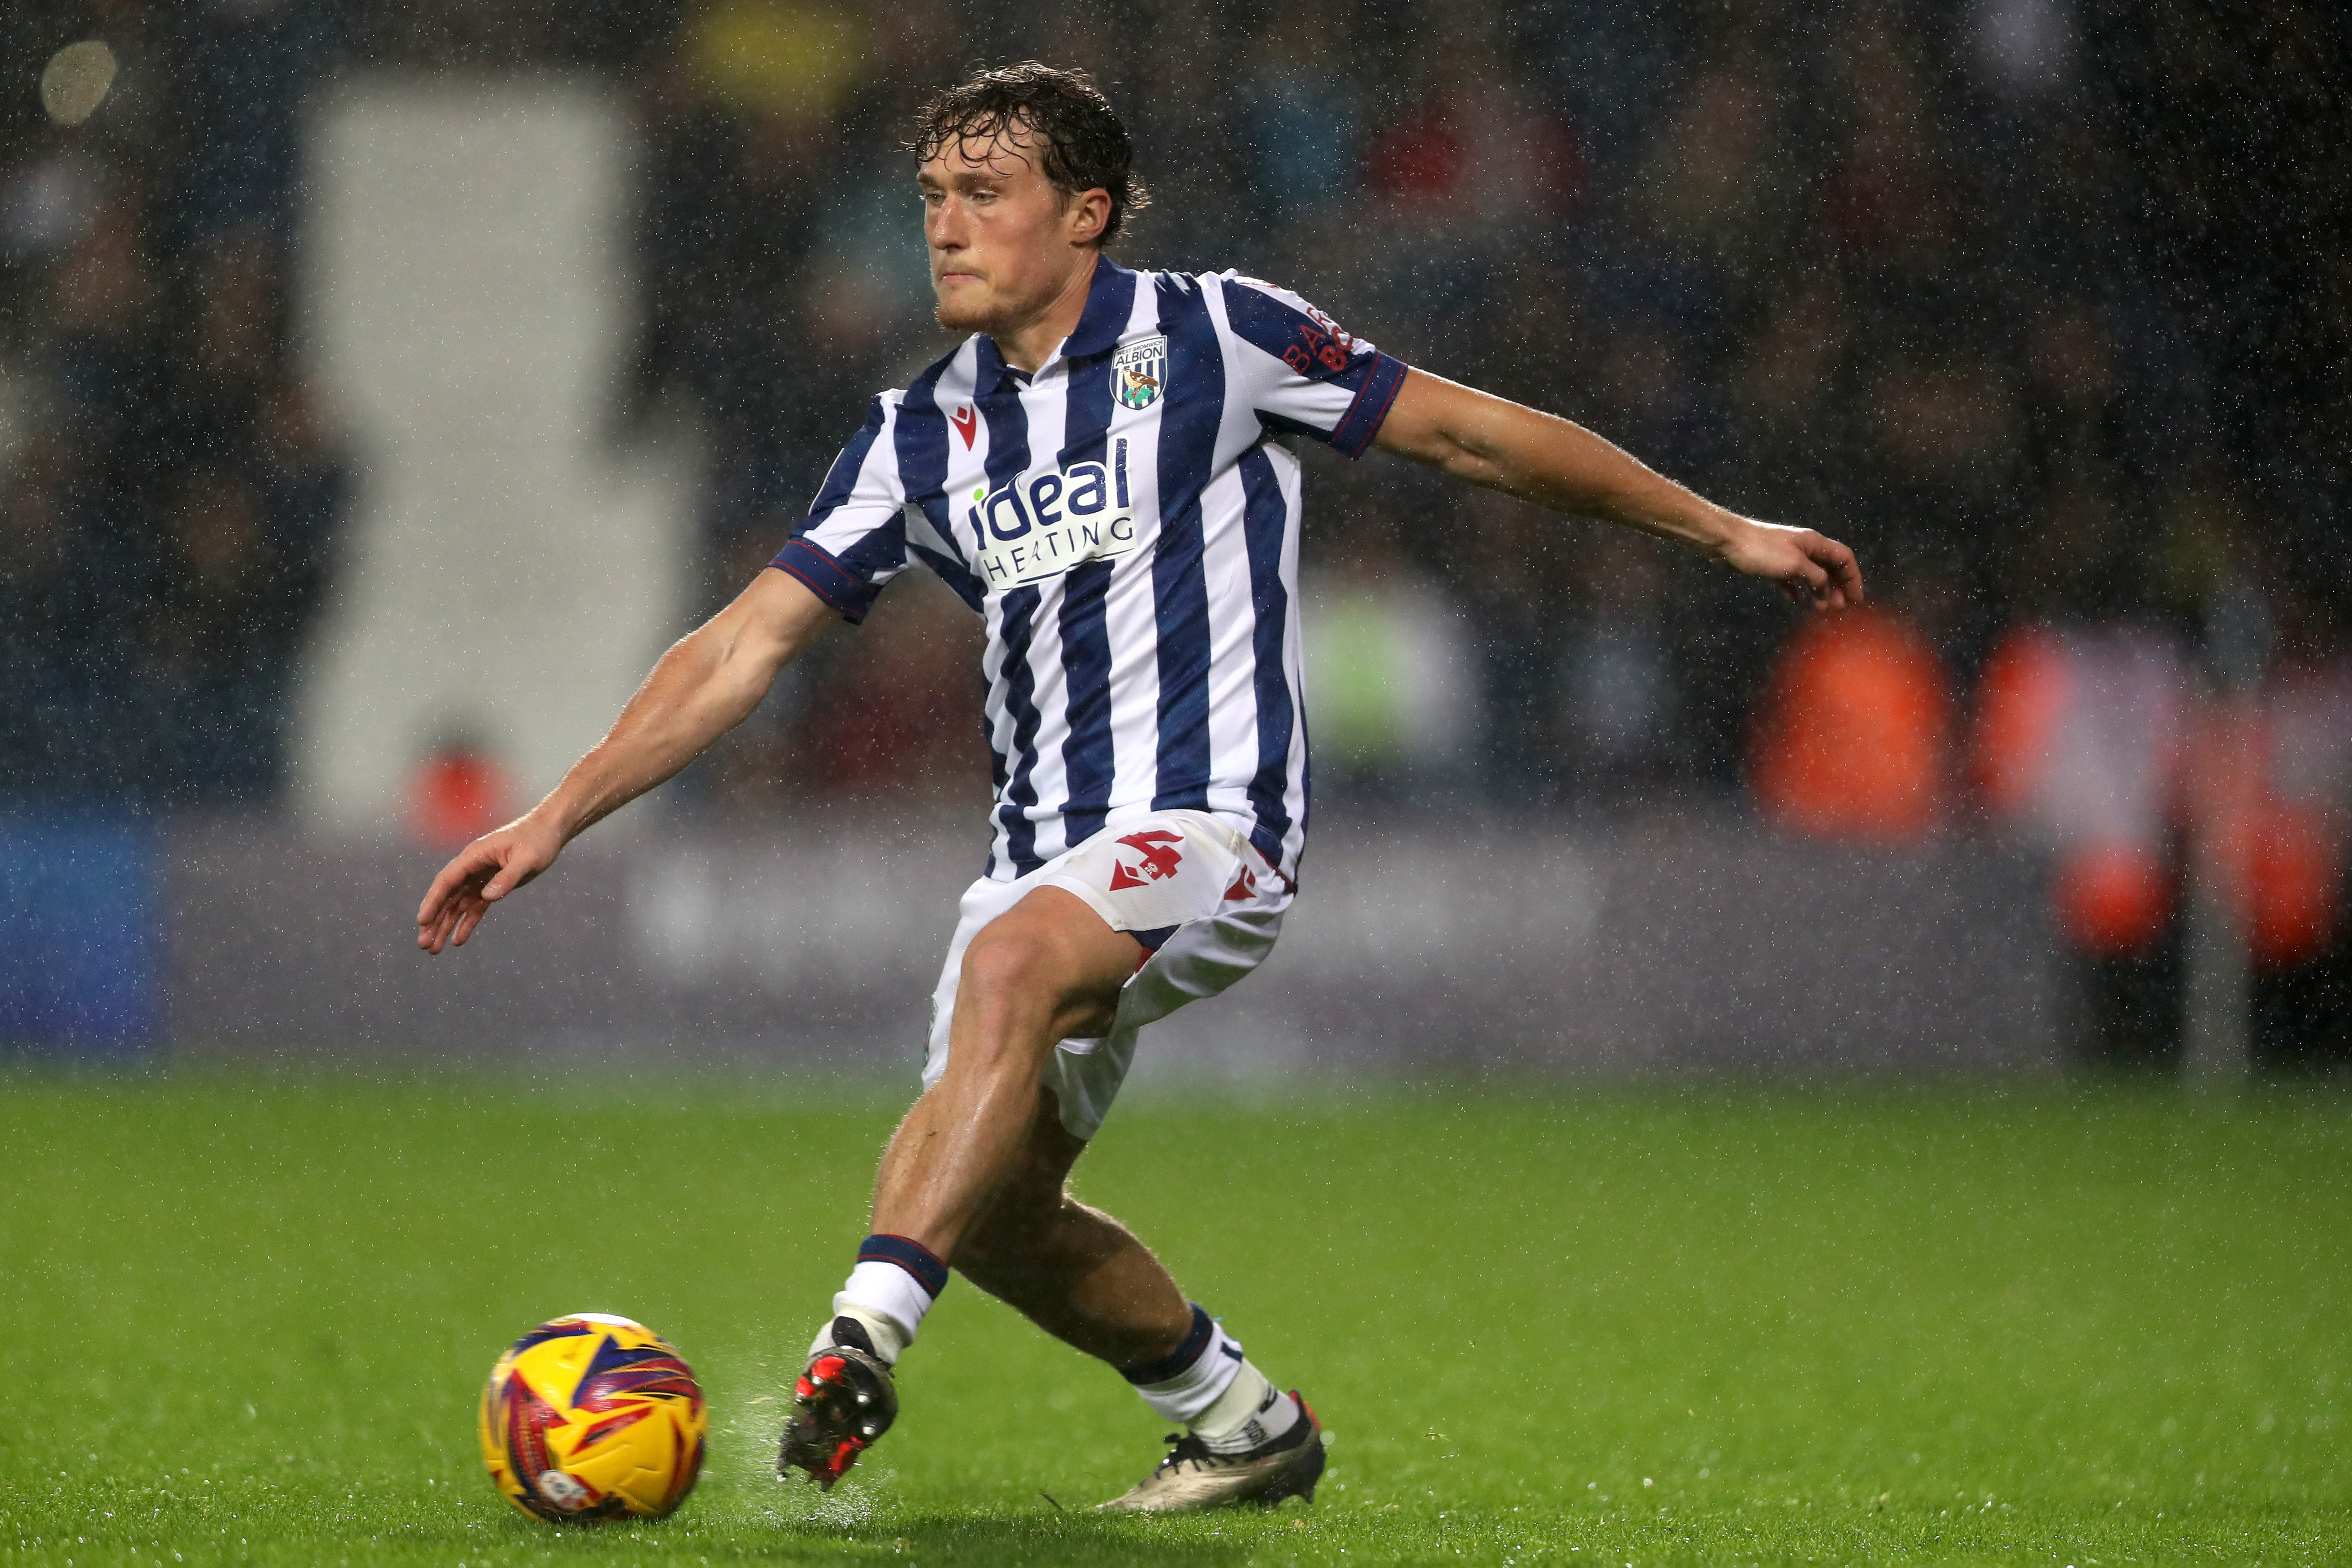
593	1416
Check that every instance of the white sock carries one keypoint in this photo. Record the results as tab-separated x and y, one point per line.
888	1292
1209	1386
1189	1381
890	1341
1250	1414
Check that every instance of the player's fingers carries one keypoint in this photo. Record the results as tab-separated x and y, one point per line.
1842	583
453	913
1808	579
434	937
464	867
467	916
1849	574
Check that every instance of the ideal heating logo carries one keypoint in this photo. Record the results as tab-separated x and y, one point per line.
1041	525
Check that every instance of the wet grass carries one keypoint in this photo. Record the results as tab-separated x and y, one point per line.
249	1318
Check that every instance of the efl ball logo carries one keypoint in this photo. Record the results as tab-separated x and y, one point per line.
1139	372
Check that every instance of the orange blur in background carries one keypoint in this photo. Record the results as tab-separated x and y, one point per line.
1853	730
456	795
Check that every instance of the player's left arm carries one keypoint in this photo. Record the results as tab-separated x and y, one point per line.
1556	463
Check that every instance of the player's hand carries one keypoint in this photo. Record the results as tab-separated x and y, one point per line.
481	874
1808	566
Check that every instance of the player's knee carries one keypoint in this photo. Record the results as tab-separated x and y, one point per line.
1024	979
1016	959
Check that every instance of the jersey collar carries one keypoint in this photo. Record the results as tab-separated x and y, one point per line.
988	369
1110	303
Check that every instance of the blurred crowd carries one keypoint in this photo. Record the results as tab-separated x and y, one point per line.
167	498
2042	306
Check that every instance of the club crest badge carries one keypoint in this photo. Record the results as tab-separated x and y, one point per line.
1139	372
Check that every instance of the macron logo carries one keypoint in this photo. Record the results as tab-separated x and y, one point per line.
1162	851
966	423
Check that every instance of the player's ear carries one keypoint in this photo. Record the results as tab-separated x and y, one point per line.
1089	214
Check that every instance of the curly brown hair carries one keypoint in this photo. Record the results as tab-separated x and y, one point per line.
1086	146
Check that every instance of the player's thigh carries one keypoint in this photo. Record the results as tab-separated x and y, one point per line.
1050	958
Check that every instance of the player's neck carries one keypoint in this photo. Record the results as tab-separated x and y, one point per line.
1026	344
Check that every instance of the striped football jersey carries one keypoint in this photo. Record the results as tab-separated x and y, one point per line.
1126	521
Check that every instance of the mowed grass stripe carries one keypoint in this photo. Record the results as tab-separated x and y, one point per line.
252	1316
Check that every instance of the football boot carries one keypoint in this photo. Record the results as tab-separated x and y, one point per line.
1192	1477
841	1404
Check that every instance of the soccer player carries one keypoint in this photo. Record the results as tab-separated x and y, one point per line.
1105	470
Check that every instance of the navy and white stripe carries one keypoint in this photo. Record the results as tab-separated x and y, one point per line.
1185	1356
1130	666
921	1263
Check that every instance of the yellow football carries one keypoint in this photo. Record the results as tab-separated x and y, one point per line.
591	1417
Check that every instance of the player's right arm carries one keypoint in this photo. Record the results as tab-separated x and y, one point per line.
708	683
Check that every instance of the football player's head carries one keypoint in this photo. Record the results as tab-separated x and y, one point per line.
1026	172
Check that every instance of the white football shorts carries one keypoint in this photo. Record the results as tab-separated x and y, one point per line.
1188	886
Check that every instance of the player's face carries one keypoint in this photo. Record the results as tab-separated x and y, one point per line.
1004	241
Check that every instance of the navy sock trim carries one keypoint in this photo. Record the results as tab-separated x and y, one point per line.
912	1255
1195	1345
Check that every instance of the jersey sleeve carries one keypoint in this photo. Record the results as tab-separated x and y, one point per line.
854	540
1305	374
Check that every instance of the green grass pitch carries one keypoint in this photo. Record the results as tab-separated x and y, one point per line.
248	1320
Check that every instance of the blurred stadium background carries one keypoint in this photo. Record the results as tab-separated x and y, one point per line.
381	386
